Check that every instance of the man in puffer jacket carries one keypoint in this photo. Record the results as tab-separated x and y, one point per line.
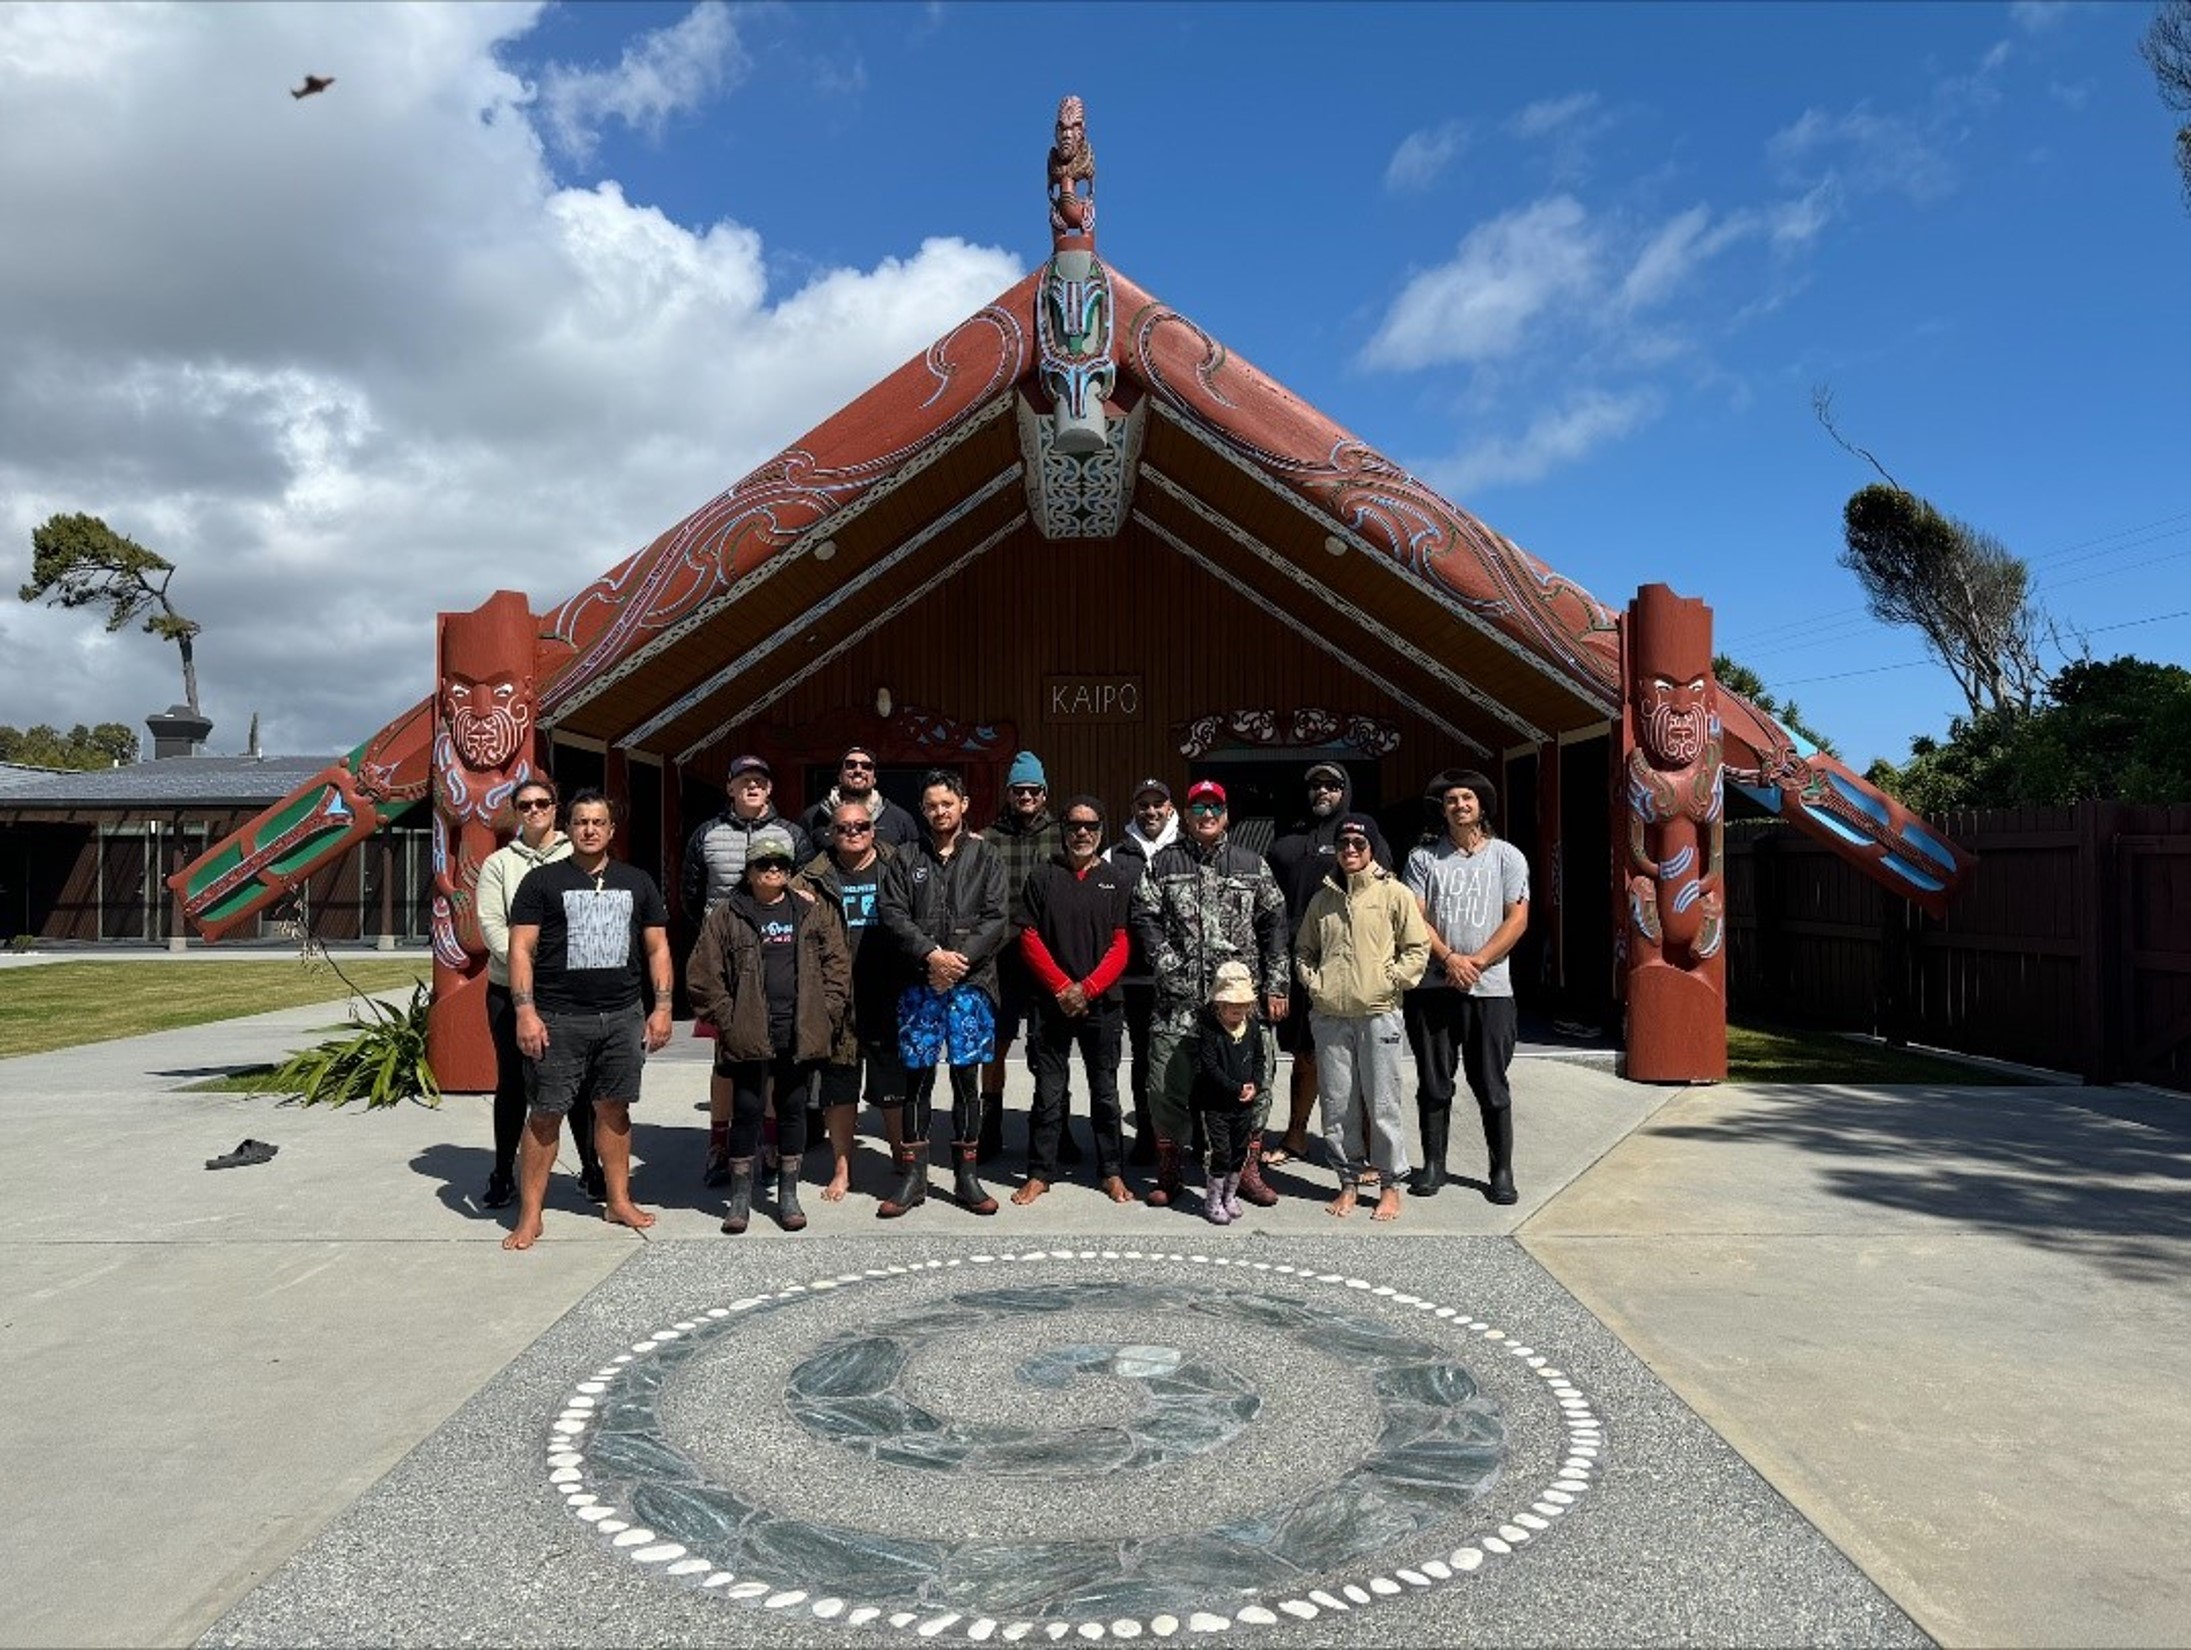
1362	944
1205	902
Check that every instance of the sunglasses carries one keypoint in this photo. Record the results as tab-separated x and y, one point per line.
1325	785
781	866
1205	810
1357	844
539	805
855	765
1084	824
1030	790
860	829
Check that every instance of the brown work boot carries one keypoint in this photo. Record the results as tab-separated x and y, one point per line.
1167	1188
1253	1187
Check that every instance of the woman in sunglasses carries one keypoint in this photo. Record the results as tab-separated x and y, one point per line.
537	843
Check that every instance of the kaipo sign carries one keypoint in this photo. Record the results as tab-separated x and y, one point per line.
1085	699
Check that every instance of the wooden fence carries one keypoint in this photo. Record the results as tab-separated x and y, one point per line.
2070	949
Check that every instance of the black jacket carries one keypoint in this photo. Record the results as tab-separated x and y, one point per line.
1303	857
1222	1064
955	904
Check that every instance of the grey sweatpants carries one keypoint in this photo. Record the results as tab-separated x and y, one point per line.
1358	1072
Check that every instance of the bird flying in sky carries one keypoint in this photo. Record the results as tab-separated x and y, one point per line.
313	84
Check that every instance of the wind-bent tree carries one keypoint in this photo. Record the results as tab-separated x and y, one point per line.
79	561
2167	51
1958	586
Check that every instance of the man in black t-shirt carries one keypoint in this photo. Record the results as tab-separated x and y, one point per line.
578	931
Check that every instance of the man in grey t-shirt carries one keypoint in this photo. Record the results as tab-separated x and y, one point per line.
1474	892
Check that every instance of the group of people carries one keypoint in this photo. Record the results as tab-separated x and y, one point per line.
849	952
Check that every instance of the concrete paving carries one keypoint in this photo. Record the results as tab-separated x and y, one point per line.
1944	1324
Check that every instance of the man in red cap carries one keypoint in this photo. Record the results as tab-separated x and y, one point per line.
1205	901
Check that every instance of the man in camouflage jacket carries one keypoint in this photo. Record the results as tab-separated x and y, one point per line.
1202	903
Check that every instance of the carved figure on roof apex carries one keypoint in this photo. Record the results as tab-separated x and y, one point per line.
1072	175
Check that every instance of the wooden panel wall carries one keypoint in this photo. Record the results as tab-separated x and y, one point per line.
979	648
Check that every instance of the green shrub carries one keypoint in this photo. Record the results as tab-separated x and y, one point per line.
381	1062
23	942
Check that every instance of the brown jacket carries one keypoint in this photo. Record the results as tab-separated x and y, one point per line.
727	987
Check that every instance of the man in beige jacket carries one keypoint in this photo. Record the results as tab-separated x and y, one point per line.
1362	944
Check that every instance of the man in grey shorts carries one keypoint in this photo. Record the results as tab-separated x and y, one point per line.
578	931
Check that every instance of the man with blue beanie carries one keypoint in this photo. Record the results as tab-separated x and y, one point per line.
1024	837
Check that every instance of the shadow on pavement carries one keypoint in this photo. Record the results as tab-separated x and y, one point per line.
2103	1173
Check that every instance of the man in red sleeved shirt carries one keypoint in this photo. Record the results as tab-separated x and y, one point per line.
1075	945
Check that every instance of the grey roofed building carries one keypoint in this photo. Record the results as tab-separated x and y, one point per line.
172	782
15	775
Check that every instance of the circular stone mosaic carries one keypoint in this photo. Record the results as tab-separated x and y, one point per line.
1018	1382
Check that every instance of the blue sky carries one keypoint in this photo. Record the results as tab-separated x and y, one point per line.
528	285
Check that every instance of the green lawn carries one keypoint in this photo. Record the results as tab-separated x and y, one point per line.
1780	1054
60	1005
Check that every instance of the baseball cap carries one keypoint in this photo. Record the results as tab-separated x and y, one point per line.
773	843
1206	790
1324	770
1157	785
750	764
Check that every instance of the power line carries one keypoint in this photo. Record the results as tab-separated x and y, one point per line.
1907	664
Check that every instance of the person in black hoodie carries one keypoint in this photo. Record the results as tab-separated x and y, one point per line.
1301	860
944	903
1234	1064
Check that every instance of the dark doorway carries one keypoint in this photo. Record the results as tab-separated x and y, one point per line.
1586	881
1268	797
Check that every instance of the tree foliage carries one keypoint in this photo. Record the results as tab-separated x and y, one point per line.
79	561
2167	51
1957	586
1731	673
2115	730
45	746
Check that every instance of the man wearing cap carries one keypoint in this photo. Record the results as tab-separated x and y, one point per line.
1024	836
1075	944
1155	825
1205	902
772	972
1361	945
848	874
1473	889
1301	860
894	827
715	864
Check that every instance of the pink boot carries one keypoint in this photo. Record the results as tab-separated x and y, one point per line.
1214	1208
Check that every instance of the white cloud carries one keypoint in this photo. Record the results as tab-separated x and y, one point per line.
1550	115
661	73
1423	156
1553	439
1870	152
354	359
2037	16
1506	274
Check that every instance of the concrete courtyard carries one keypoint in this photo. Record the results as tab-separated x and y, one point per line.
1848	1365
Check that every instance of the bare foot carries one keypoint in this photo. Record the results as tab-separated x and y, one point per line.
524	1234
1388	1204
839	1184
1029	1192
629	1214
1115	1189
1342	1205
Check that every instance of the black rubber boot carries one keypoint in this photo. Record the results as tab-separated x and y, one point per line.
1498	1134
1437	1130
968	1187
789	1215
911	1190
738	1213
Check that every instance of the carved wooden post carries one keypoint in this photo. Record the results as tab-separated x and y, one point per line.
483	750
1674	912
